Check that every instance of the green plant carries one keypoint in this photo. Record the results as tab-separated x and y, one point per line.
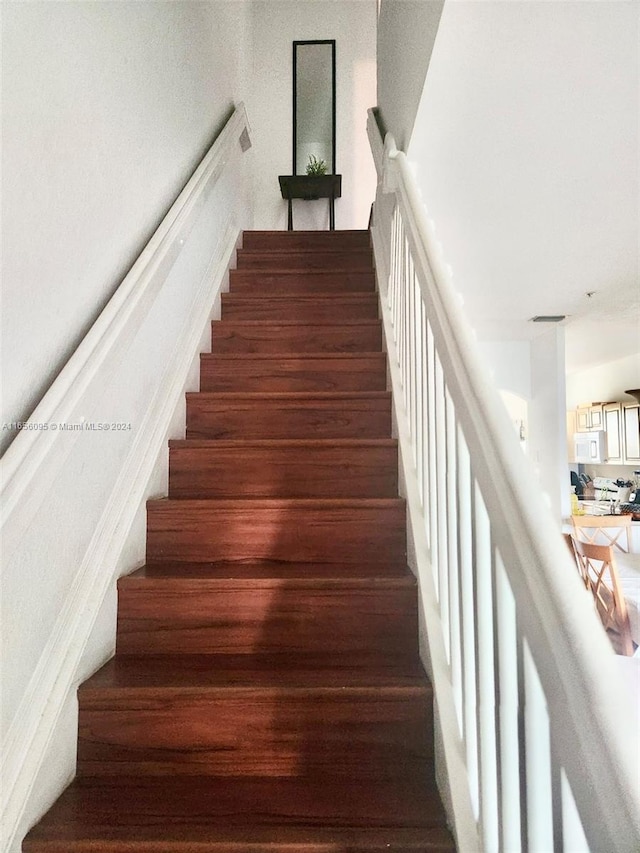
316	166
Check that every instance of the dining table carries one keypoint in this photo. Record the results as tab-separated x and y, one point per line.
628	566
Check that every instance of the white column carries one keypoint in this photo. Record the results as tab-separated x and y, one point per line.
547	442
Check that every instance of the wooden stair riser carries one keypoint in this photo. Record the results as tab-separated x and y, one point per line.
305	240
267	694
171	616
303	260
293	372
301	309
237	732
288	416
229	337
202	531
267	284
302	469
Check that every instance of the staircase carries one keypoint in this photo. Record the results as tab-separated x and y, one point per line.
266	693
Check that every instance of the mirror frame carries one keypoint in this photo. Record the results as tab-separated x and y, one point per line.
332	42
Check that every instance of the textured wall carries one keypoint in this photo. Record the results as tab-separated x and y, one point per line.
107	109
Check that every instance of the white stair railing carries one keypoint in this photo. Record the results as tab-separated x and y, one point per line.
74	482
536	746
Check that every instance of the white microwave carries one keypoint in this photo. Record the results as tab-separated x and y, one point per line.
589	447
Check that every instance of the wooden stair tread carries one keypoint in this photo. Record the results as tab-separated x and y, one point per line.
314	250
253	504
302	262
317	274
300	398
302	269
273	573
250	840
233	444
305	232
314	257
328	253
267	671
305	815
336	232
278	358
269	569
337	235
267	694
302	324
285	271
308	298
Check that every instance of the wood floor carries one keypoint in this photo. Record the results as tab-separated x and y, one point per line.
266	695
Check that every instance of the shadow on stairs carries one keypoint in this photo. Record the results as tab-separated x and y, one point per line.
266	693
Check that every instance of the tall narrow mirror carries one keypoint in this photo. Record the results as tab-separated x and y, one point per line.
314	104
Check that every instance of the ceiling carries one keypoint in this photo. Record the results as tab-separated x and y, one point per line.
526	148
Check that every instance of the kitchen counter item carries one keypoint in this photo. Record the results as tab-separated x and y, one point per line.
631	509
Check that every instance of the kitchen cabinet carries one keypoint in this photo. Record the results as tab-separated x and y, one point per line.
614	444
620	425
631	431
590	417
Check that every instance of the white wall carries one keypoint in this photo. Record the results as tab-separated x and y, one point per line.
510	365
352	23
107	108
531	378
526	150
406	34
605	383
74	501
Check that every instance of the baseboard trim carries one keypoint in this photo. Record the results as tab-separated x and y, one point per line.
56	673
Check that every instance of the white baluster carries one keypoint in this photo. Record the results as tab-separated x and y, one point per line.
455	645
422	397
431	440
413	337
483	561
441	501
405	319
486	603
538	760
509	774
468	717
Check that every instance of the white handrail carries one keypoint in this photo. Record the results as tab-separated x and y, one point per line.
73	501
501	589
24	455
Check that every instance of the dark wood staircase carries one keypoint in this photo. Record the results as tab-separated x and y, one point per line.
266	693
